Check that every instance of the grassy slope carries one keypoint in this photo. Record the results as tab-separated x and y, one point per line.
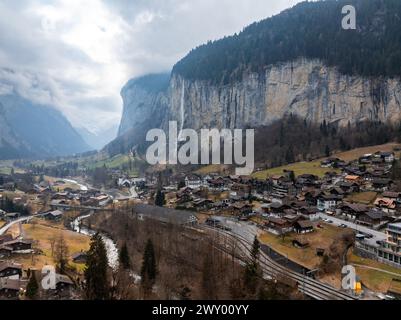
374	280
313	167
43	233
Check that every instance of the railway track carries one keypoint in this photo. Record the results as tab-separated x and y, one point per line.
310	287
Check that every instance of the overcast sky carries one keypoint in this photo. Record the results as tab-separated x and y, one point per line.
77	55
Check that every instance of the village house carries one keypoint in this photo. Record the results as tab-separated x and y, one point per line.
309	213
392	195
348	187
63	284
193	181
278	226
390	251
80	257
328	202
329	162
216	184
380	184
388	157
10	270
277	179
353	178
55	215
306	181
276	209
19	244
352	211
372	218
386	204
241	208
11	288
202	204
61	195
8	217
124	183
5	251
5	238
303	226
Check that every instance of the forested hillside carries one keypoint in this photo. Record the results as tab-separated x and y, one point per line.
311	30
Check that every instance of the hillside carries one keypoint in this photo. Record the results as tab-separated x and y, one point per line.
31	130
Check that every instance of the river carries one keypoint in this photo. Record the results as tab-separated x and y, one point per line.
111	247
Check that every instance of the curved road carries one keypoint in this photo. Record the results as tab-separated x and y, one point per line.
7	226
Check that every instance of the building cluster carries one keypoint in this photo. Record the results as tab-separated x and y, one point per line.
14	280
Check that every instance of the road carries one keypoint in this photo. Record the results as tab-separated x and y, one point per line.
7	226
377	235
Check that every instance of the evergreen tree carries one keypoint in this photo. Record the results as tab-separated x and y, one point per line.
160	199
124	258
148	270
252	270
61	254
32	287
255	250
181	184
97	285
327	151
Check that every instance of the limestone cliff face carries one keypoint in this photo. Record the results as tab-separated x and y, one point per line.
306	88
141	106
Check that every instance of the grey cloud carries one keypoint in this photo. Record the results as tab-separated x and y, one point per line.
54	64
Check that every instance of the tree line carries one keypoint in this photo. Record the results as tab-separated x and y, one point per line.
293	139
310	30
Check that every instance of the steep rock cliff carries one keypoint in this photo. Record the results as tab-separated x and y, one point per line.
306	88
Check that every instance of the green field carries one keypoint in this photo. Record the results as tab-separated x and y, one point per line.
7	170
374	279
363	197
114	162
299	168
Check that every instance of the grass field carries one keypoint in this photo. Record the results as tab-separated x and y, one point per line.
321	238
299	168
356	153
7	170
213	168
313	167
363	197
43	235
374	280
61	187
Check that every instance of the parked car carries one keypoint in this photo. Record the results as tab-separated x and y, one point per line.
343	226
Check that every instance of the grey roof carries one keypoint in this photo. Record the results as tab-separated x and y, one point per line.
165	214
55	213
7	264
374	214
60	278
11	284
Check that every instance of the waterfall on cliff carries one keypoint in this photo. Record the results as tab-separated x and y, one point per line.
182	109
